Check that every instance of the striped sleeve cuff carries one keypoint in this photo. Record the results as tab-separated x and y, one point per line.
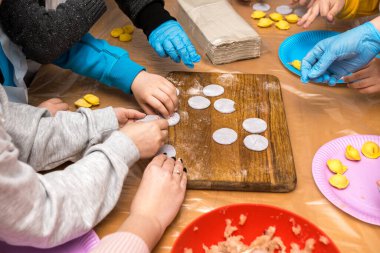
121	242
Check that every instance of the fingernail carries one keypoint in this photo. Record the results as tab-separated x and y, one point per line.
185	170
174	158
180	159
164	153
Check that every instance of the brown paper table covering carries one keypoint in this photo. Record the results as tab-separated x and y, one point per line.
316	114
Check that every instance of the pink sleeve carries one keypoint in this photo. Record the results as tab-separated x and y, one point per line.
121	242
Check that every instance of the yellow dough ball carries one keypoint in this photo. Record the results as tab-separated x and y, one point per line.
336	166
258	14
292	18
265	22
92	99
282	25
125	37
129	29
116	32
82	103
352	153
339	181
276	16
296	64
371	150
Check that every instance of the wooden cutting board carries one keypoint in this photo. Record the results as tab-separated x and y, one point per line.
233	167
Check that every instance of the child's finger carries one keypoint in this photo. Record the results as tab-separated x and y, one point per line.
313	15
148	109
158	106
165	100
61	106
171	93
333	12
304	18
324	8
162	123
54	100
134	114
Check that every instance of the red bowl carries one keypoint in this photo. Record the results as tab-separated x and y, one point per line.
208	229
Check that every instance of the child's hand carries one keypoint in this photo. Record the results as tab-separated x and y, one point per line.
303	2
366	80
127	115
54	105
147	136
326	8
155	94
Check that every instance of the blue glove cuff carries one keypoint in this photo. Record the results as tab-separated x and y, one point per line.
374	34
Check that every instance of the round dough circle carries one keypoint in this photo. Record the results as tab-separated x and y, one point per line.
284	9
300	11
198	102
174	119
261	7
254	125
225	136
213	90
256	142
149	118
168	149
224	105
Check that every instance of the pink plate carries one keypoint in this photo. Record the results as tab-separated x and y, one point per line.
361	198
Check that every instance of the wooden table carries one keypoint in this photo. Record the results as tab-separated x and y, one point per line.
316	114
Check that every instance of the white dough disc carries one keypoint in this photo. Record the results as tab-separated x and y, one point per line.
225	136
198	102
261	7
213	90
256	142
224	105
284	9
254	125
300	11
149	118
168	149
174	119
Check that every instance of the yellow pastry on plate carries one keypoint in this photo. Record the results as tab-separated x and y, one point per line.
296	64
352	153
371	150
336	166
339	181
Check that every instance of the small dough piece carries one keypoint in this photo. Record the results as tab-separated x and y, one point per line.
256	142
296	64
129	29
149	118
371	150
339	181
254	125
265	22
258	14
168	149
300	11
352	153
261	7
225	136
174	119
213	90
116	32
92	99
336	166
224	105
198	102
292	18
82	103
284	9
125	37
276	16
282	25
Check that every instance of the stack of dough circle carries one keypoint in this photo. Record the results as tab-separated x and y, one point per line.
225	136
198	102
224	105
213	90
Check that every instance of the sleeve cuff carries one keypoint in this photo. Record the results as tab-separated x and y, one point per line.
105	119
123	147
349	10
121	242
151	17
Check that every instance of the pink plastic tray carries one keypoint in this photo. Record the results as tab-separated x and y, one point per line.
361	198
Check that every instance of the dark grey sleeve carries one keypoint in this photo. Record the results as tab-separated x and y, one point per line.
45	35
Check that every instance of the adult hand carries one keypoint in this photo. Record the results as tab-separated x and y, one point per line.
127	115
342	54
155	94
147	136
366	80
325	8
169	39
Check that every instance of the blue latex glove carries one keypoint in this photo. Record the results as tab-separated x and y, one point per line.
341	55
169	39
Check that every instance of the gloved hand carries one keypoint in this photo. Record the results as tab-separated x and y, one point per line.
169	39
341	55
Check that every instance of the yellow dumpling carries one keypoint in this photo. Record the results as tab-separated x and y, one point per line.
82	103
258	14
125	37
92	99
296	64
282	25
371	150
129	29
352	153
339	181
265	22
116	32
292	18
336	166
276	16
